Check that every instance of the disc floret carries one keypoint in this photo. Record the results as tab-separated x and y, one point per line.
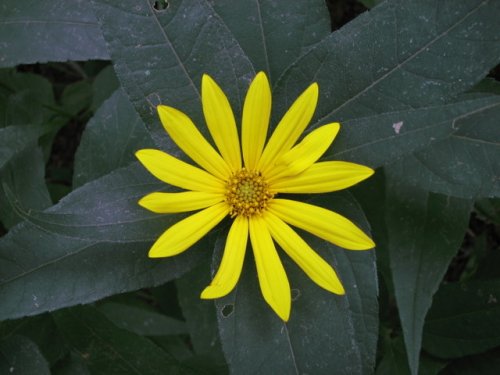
247	193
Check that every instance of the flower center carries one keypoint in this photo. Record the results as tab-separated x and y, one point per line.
247	193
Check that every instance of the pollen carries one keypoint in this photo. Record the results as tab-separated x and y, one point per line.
247	193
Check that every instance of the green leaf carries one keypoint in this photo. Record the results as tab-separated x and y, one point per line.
177	346
488	85
465	164
110	139
100	250
42	331
483	364
25	98
109	350
20	356
371	196
160	56
104	210
15	139
326	333
83	252
144	322
76	97
402	54
394	360
383	139
25	175
201	317
26	112
425	231
464	319
28	99
73	365
490	209
104	85
39	31
273	34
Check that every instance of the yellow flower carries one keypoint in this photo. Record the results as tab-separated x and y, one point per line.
245	181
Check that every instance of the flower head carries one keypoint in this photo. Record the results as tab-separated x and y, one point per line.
246	182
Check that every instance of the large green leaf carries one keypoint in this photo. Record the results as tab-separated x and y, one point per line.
140	320
201	317
273	34
160	55
109	350
394	360
466	164
52	30
25	98
402	54
15	139
101	249
76	97
464	319
104	85
42	331
25	175
326	333
372	197
116	127
21	356
104	210
425	231
26	112
25	116
92	244
383	139
28	116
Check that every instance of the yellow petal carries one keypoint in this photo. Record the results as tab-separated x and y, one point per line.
311	263
183	234
164	203
220	121
232	261
321	222
290	128
178	173
323	177
306	153
189	139
256	112
272	277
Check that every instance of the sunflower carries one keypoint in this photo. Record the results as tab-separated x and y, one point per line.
245	181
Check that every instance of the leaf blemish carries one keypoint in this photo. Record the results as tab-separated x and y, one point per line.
295	294
160	5
397	126
153	99
227	310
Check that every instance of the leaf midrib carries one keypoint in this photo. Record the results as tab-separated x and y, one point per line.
404	62
171	46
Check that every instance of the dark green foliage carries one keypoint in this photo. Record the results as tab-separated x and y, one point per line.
407	82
